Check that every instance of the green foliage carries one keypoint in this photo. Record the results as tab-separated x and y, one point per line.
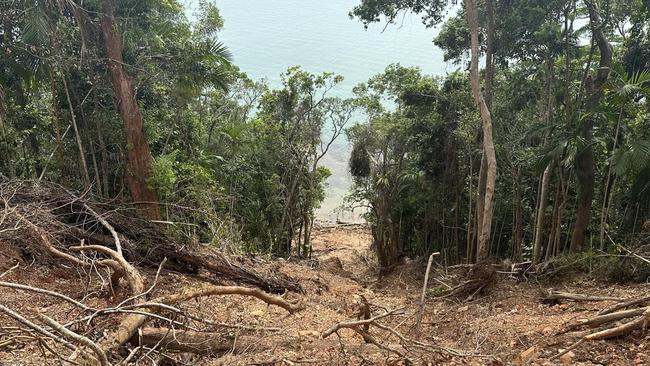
371	11
614	267
359	161
163	176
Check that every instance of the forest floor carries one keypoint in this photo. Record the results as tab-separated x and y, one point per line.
506	325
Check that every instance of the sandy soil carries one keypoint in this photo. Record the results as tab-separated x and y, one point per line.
497	327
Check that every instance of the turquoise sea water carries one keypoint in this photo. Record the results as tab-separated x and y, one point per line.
268	36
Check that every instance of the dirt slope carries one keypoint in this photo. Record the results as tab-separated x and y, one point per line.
501	325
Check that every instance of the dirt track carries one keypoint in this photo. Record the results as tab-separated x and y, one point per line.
501	325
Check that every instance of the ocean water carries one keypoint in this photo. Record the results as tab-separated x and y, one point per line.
268	36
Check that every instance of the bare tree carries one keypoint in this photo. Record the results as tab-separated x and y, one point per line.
486	193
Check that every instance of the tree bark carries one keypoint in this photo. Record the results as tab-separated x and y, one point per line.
82	154
489	52
488	142
470	223
138	161
518	218
585	160
609	184
541	210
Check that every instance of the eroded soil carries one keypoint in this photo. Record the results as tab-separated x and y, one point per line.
500	327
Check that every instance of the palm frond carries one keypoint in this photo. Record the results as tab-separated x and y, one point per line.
631	158
36	29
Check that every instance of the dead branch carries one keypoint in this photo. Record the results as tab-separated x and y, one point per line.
606	318
132	275
355	323
626	304
130	324
195	342
109	227
9	270
424	292
551	294
49	247
46	292
37	328
623	329
100	355
232	290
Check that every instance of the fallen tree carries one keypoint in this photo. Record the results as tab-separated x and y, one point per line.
35	211
55	226
611	322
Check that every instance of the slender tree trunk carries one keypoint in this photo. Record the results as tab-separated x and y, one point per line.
138	160
518	218
488	143
609	183
456	232
470	222
98	181
480	204
550	245
489	51
541	210
585	159
4	142
56	116
82	154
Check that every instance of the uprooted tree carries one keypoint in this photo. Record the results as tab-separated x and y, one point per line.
55	226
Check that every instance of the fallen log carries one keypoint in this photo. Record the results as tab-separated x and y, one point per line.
606	318
626	304
196	342
551	295
64	218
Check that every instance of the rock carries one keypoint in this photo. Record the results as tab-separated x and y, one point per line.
568	358
463	309
526	356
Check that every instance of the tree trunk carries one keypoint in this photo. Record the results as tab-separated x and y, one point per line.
541	210
585	159
550	245
4	142
517	233
82	154
56	116
480	205
489	51
470	223
609	184
488	143
138	161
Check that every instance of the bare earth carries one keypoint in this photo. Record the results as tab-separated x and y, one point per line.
507	325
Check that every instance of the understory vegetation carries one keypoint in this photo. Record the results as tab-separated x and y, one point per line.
143	174
566	86
136	102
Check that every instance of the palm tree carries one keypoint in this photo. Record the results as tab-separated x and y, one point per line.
624	88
